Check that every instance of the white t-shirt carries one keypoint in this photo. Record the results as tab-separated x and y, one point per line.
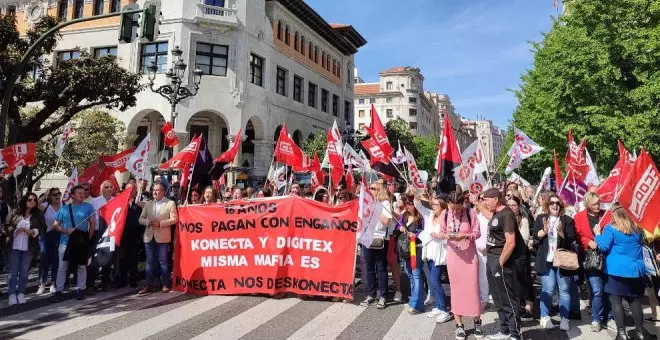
49	215
385	229
20	238
553	223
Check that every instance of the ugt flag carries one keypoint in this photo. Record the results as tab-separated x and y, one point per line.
112	218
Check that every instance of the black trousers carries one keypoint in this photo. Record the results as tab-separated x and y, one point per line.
635	308
127	265
503	286
523	269
93	269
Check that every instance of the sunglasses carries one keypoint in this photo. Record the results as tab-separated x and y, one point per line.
373	188
554	203
31	200
57	194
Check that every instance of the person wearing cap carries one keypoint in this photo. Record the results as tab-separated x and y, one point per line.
504	247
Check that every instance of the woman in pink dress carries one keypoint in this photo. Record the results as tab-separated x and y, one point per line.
460	227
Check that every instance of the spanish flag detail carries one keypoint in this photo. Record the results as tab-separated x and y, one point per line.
413	252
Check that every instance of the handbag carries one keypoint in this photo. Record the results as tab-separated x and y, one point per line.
378	240
593	260
566	259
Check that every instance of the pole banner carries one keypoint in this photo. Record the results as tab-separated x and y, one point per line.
272	245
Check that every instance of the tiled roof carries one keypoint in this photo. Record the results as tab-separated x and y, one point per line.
366	89
339	25
395	69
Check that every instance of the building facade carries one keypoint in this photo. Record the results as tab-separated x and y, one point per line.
398	94
265	62
463	135
491	138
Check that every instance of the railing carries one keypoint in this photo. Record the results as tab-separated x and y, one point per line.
210	11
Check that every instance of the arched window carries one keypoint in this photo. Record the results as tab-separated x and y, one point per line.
287	39
316	54
302	44
310	51
323	59
279	29
296	39
334	66
339	69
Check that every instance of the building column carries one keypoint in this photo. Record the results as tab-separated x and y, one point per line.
263	153
183	137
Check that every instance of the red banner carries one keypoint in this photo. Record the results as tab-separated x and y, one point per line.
269	246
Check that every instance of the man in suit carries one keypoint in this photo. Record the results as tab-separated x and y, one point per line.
158	216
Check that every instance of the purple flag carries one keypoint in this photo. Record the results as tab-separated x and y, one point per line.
573	191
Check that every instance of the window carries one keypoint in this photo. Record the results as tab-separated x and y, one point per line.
104	51
361	114
62	10
412	100
388	113
388	85
311	95
67	55
11	10
279	29
302	44
78	7
388	100
372	100
413	125
334	67
256	70
338	69
323	59
361	101
115	6
280	81
154	52
297	89
296	40
412	112
316	54
286	35
324	100
310	51
361	126
98	7
335	105
212	59
347	111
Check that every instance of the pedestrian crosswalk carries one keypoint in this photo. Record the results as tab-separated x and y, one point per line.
121	314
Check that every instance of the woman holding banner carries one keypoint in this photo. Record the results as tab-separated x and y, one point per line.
460	227
409	247
434	252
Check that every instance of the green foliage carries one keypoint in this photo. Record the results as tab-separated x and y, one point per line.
427	151
503	158
318	143
596	73
397	130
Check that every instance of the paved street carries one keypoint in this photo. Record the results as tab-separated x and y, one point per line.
122	315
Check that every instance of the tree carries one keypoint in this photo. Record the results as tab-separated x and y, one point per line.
317	143
397	130
596	73
64	89
98	133
427	148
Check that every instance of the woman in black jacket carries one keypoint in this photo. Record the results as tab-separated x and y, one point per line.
553	230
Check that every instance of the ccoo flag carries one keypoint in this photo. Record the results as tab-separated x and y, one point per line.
112	218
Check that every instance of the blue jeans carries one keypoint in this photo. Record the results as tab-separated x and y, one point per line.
49	257
416	284
601	309
376	263
551	280
157	261
437	290
19	268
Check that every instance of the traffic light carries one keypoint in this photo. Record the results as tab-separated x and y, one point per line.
150	22
126	28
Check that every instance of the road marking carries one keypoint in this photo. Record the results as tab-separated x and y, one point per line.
341	314
408	326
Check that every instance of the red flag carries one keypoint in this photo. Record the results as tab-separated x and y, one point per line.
557	170
609	188
375	152
117	162
377	133
286	150
96	174
113	214
640	195
21	154
229	155
350	181
576	161
448	158
318	177
335	154
171	139
305	165
185	157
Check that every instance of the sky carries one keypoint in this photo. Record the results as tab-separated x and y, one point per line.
473	50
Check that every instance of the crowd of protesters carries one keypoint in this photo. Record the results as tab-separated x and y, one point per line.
491	248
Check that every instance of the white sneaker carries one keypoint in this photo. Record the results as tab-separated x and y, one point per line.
546	323
20	298
53	289
397	297
611	325
430	300
434	313
42	289
443	317
564	325
12	299
595	326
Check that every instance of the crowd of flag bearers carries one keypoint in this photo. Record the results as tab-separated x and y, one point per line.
490	241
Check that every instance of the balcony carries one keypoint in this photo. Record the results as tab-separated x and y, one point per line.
217	17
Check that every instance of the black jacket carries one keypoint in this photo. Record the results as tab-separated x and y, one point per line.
565	242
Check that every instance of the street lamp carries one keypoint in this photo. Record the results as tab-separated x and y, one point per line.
174	92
